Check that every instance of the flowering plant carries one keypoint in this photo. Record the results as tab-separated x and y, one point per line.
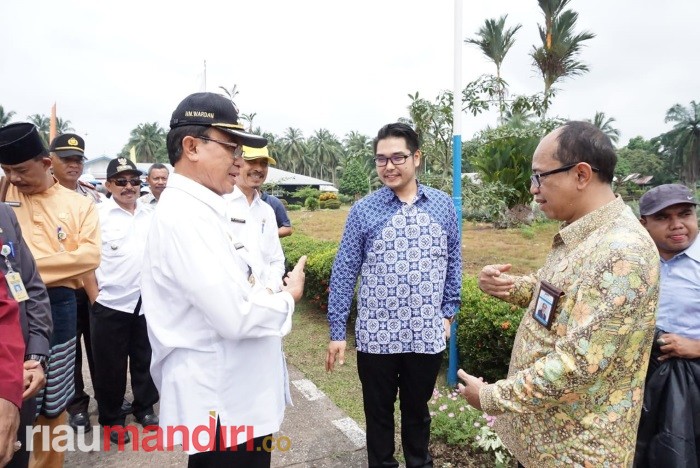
457	423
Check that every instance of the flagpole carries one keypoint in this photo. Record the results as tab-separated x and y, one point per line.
52	124
205	76
456	170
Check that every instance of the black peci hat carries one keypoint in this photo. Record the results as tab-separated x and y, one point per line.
118	165
20	142
68	144
214	110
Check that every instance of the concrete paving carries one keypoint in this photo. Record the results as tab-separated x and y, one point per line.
317	432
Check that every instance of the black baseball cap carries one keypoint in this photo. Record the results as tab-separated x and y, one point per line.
68	144
118	165
214	110
20	142
664	196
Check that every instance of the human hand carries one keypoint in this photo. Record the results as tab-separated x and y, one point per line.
34	379
9	423
294	281
470	389
447	323
492	280
677	346
335	348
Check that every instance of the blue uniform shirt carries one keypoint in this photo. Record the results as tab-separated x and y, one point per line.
410	265
679	299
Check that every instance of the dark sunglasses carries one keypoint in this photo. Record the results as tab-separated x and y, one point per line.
122	182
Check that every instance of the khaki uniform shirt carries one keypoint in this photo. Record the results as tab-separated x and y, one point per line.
574	392
61	262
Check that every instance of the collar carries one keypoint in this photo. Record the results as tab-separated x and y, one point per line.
111	205
387	195
580	229
197	191
693	251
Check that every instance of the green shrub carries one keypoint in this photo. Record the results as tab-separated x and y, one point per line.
320	255
293	207
332	204
284	202
311	203
485	332
322	204
346	199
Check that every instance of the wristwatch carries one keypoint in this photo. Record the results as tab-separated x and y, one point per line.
43	360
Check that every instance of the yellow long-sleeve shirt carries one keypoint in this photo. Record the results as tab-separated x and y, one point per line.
61	262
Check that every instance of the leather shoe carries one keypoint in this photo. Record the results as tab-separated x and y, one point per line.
126	407
149	419
116	432
80	421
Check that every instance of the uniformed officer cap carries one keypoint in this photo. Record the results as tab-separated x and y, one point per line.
214	110
68	144
20	142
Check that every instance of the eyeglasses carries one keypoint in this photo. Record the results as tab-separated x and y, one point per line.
121	182
536	179
235	147
396	159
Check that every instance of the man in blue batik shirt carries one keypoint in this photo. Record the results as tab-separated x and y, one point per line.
403	241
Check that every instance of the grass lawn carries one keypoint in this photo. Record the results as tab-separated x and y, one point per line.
526	248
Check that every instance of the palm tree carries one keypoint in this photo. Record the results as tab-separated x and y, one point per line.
63	126
326	151
5	117
356	144
495	41
43	123
605	124
249	118
293	148
146	140
684	139
556	57
230	93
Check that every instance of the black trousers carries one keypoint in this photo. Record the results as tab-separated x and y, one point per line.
81	400
242	456
119	338
413	376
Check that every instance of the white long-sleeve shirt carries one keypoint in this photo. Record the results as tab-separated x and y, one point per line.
123	236
256	227
216	338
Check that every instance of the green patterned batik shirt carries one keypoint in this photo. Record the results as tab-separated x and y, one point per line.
574	392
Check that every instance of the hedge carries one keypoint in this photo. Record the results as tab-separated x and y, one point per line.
486	325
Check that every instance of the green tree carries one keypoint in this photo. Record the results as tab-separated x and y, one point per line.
43	123
557	57
63	126
147	139
495	40
293	149
326	151
249	118
5	118
230	93
354	179
642	162
605	124
683	140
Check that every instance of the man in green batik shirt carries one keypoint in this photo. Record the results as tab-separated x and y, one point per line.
575	386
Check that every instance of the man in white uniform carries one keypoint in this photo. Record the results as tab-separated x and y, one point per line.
215	329
253	221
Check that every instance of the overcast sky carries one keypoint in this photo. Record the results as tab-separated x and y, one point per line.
315	64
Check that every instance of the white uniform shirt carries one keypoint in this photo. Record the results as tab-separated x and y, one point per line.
216	339
123	242
255	226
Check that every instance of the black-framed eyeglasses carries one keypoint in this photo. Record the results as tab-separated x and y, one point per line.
122	182
234	147
536	179
396	159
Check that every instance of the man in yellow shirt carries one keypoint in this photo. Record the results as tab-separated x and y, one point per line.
62	232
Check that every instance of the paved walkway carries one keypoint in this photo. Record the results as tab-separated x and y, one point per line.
320	435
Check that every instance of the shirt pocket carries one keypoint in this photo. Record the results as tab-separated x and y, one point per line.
113	243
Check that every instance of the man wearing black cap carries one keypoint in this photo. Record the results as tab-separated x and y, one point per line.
117	324
67	158
670	425
61	230
215	331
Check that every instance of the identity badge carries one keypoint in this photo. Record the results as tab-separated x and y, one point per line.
14	280
547	300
